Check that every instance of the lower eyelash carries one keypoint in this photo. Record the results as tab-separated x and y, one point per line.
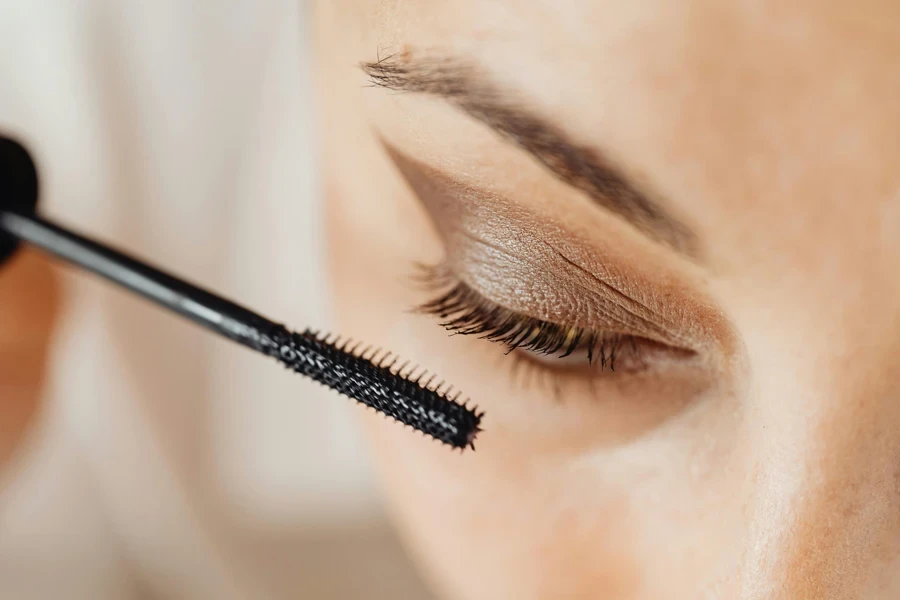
464	311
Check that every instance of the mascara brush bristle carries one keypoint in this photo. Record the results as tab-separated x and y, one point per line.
366	377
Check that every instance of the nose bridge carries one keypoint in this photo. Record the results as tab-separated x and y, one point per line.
826	466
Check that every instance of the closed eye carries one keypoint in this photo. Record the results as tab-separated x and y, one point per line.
464	311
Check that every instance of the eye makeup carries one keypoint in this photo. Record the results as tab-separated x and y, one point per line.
531	271
532	264
464	311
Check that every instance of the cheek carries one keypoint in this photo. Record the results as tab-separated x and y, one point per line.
506	524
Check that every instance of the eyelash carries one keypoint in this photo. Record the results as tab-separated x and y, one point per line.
463	311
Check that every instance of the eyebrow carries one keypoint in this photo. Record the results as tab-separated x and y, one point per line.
469	88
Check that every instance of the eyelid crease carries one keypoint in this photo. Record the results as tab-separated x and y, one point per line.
605	285
600	281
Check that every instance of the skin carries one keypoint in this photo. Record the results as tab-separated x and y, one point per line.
31	298
766	467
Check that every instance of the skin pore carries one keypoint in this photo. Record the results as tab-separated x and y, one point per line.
719	181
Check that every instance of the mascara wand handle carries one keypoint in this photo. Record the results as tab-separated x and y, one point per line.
201	306
19	222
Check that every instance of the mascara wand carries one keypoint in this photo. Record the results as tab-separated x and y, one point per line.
369	376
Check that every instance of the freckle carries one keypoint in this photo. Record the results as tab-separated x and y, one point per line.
405	53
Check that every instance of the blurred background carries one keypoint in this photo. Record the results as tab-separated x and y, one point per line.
141	457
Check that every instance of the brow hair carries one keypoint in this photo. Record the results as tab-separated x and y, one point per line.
469	88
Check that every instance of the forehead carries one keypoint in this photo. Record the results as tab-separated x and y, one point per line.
774	109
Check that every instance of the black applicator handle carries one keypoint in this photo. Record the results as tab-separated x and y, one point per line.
198	305
20	223
368	377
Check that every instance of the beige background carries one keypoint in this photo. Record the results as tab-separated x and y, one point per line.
167	463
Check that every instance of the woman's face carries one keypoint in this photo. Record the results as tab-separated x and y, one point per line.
704	195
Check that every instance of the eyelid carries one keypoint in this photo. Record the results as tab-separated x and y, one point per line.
559	289
464	311
564	266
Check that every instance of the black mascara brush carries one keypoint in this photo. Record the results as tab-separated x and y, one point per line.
368	376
